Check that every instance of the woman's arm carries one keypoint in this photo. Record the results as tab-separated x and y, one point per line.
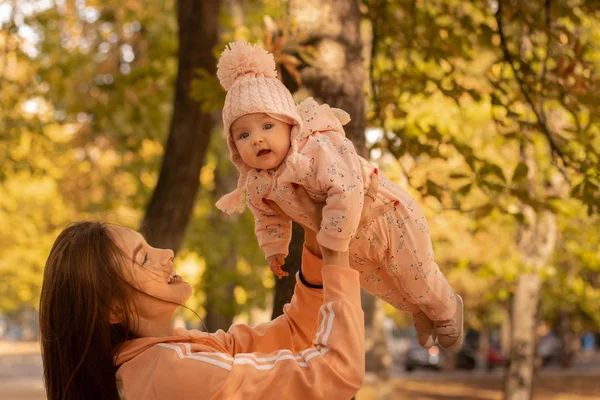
331	366
293	330
280	358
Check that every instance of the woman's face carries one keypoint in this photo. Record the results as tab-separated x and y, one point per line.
151	270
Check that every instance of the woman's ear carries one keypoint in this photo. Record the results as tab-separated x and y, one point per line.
116	314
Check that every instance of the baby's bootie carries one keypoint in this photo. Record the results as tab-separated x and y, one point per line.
450	332
424	328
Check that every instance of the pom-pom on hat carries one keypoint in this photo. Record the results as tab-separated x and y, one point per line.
248	74
241	58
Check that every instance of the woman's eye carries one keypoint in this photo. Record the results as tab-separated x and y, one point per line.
145	259
268	126
244	135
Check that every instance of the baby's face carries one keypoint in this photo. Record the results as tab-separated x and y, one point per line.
262	141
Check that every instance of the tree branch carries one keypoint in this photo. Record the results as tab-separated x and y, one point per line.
374	43
541	120
547	5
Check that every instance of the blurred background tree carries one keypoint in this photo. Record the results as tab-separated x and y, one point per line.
515	127
484	111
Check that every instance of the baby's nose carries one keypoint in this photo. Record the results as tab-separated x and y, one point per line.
257	140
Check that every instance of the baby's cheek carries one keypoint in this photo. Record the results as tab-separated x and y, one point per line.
245	154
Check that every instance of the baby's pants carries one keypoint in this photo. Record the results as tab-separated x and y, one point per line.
395	259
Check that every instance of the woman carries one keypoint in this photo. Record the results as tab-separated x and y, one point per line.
106	308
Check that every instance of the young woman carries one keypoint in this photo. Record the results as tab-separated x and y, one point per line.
107	303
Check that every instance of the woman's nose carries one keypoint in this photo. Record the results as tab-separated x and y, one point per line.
168	256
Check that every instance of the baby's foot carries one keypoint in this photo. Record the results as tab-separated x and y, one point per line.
450	332
424	328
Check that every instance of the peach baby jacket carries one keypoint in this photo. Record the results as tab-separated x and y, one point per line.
328	167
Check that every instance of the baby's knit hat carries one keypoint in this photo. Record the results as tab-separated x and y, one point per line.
248	74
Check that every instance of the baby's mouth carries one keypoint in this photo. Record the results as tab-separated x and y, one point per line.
263	152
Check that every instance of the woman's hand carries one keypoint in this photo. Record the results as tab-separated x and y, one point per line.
332	257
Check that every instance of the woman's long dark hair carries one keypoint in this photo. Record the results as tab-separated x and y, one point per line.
83	280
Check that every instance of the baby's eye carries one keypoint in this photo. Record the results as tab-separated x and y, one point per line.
268	126
244	135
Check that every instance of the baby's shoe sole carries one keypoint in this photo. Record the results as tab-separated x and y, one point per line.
422	323
459	342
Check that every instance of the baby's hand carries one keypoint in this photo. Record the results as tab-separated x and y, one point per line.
275	262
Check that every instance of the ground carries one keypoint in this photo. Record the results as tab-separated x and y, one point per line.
21	379
21	371
580	382
479	386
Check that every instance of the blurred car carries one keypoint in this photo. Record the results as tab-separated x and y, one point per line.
466	358
417	357
495	358
549	349
398	340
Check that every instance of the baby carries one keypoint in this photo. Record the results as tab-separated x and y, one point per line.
278	146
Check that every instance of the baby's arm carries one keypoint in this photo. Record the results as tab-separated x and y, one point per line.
338	174
274	232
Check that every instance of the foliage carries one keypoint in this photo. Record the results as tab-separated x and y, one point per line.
460	90
221	240
571	282
85	102
32	213
504	70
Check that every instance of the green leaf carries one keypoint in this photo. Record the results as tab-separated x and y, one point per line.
520	173
484	211
494	187
465	189
494	170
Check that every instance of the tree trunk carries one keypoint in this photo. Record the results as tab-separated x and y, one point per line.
483	348
519	377
219	295
567	338
378	361
536	239
172	202
284	288
337	77
536	244
334	32
218	281
505	333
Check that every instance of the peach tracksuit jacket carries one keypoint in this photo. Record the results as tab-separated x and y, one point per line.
315	350
393	253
